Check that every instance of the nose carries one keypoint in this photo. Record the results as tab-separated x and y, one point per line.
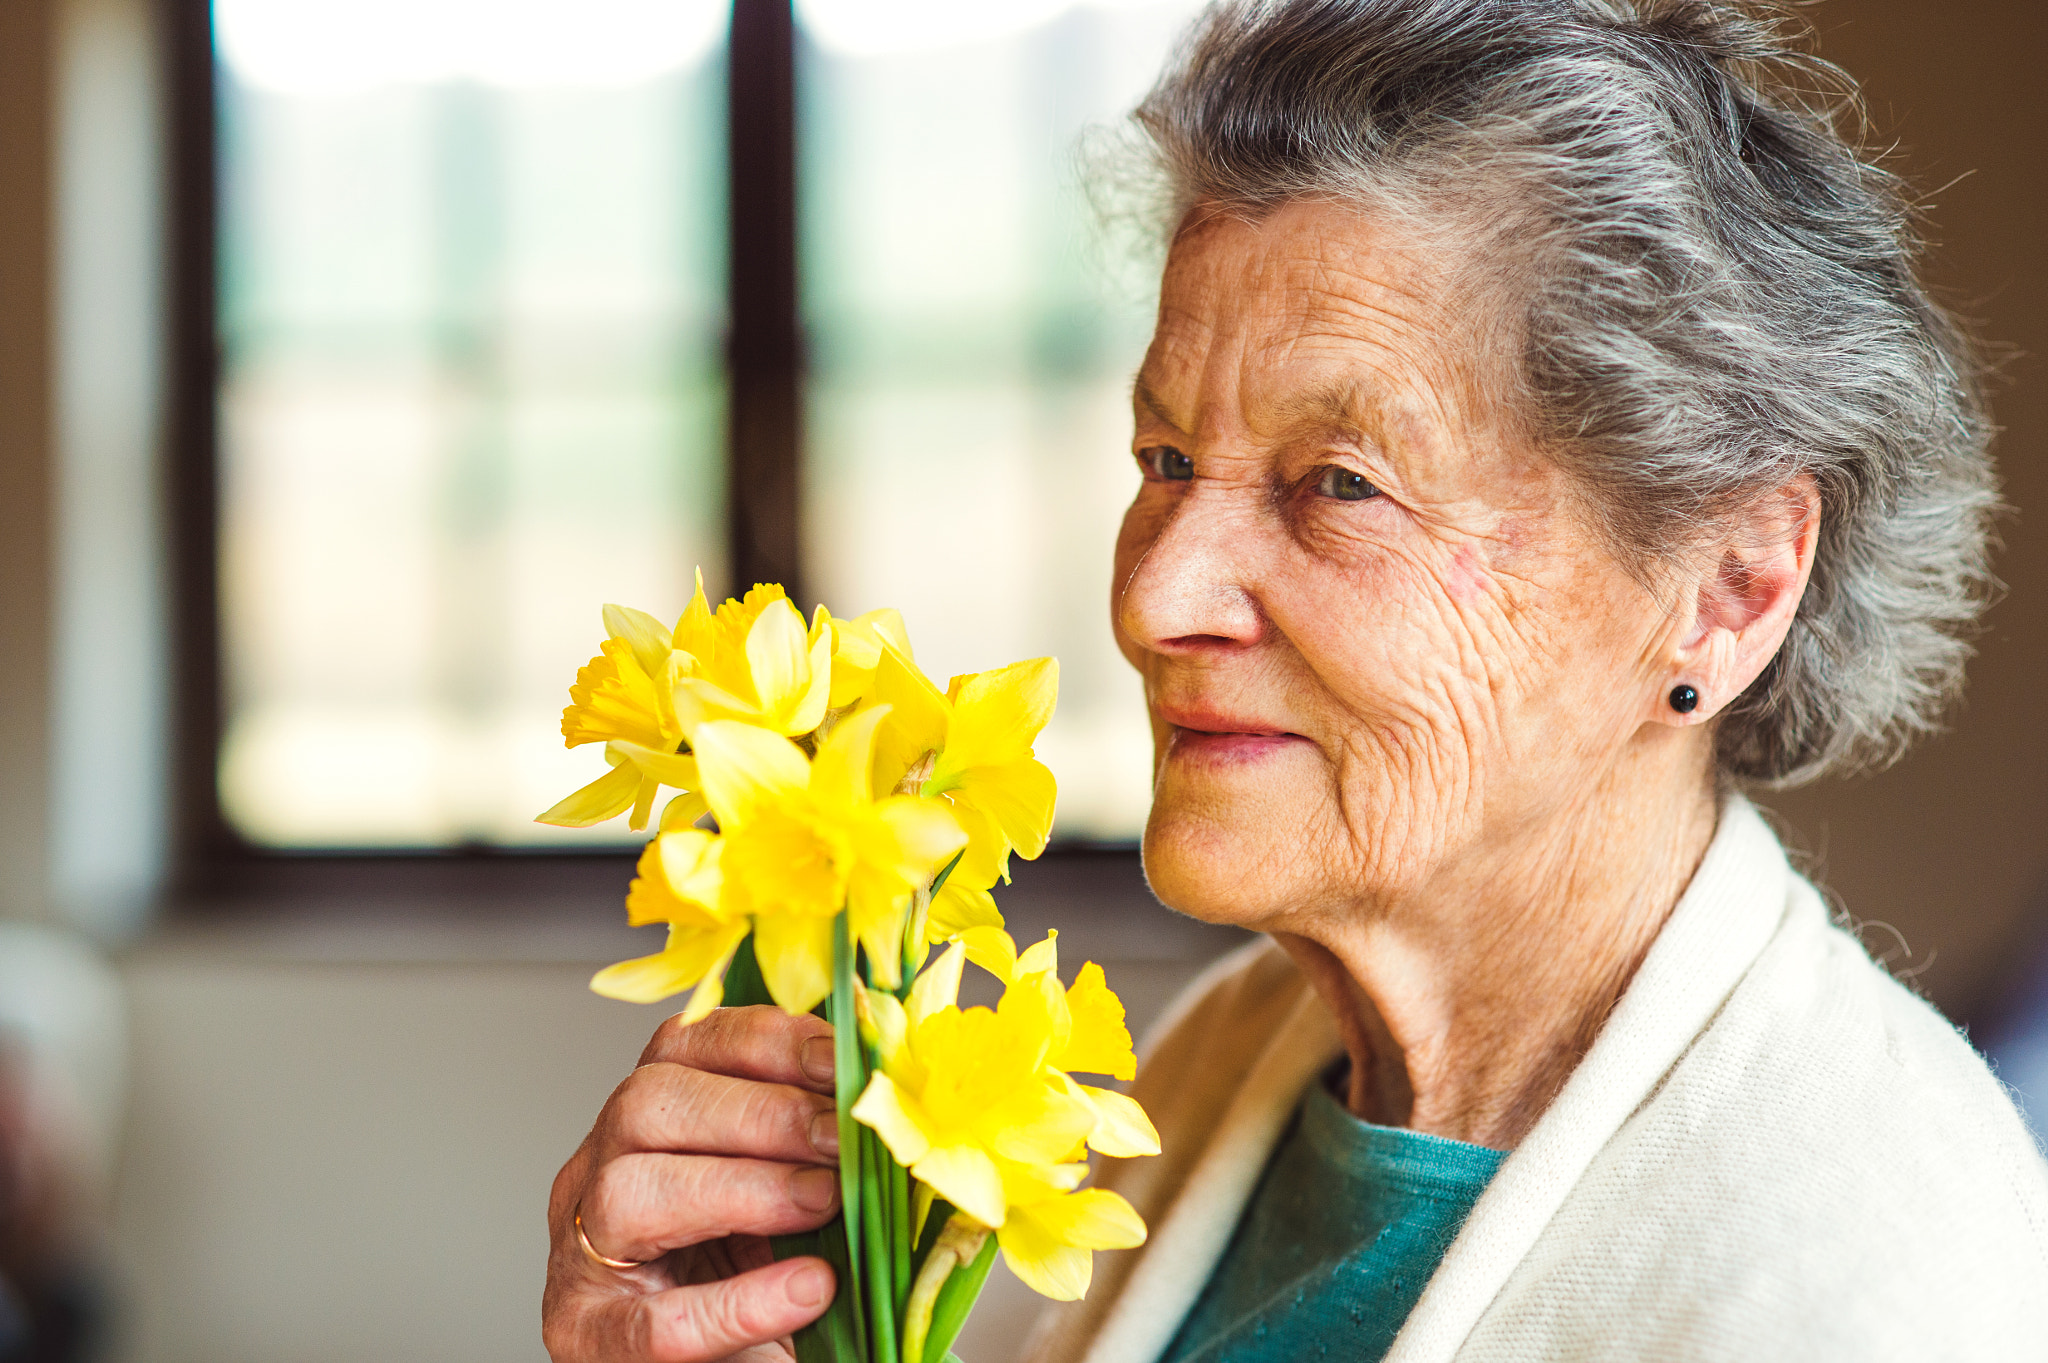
1191	590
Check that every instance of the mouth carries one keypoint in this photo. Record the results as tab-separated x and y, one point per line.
1217	736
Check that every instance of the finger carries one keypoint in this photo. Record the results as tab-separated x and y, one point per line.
698	1324
762	1043
641	1206
680	1111
741	1315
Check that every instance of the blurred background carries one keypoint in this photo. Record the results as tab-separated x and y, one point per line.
353	352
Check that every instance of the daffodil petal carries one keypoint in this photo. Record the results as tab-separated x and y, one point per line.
690	861
609	796
966	1177
1094	1218
925	832
1048	1267
682	888
709	993
876	912
1040	956
839	773
1099	1042
698	702
1122	1129
683	811
643	802
690	953
693	633
1038	1124
744	768
891	1026
1018	799
959	908
997	714
885	1108
806	710
778	657
918	719
937	986
645	635
795	952
671	769
993	950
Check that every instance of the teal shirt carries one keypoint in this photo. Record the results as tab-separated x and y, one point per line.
1347	1225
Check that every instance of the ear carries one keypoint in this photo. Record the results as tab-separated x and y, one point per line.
1743	601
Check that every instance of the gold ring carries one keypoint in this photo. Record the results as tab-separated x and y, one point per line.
583	1239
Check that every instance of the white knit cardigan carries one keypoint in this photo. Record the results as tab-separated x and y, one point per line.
1773	1151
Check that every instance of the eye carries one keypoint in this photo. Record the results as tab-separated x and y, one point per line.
1168	463
1344	485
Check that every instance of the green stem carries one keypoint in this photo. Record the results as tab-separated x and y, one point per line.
875	1218
849	1069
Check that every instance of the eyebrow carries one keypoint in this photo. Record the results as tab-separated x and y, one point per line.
1345	403
1143	396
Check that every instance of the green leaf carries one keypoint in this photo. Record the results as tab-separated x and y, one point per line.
744	986
829	1338
899	1227
956	1299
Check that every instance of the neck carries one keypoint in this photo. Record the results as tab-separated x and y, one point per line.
1466	1005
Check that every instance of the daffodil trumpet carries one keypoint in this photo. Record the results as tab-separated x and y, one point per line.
836	816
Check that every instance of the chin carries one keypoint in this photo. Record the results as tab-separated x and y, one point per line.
1222	855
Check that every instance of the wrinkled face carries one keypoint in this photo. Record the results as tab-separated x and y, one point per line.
1381	645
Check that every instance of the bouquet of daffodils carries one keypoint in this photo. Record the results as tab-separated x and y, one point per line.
837	816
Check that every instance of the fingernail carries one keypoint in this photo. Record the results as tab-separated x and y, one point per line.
816	1059
813	1189
825	1133
809	1286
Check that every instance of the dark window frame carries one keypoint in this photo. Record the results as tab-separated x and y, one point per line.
213	867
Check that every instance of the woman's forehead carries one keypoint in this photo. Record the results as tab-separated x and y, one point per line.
1315	315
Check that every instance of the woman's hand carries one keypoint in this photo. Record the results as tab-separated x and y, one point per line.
724	1135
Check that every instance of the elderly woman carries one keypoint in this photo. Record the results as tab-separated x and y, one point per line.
1545	437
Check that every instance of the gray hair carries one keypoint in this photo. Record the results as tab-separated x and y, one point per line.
1719	296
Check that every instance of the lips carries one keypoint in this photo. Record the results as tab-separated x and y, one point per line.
1199	719
1217	736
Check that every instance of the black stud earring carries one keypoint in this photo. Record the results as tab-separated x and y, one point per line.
1684	699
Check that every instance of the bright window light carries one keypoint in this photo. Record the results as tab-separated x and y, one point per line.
339	46
869	28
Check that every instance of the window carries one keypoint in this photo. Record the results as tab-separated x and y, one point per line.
470	306
482	366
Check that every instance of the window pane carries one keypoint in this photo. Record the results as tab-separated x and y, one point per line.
973	342
472	271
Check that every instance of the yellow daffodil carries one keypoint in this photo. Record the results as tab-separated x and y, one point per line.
624	698
1051	1230
973	1103
680	882
650	687
857	647
806	838
752	660
971	746
1087	1033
